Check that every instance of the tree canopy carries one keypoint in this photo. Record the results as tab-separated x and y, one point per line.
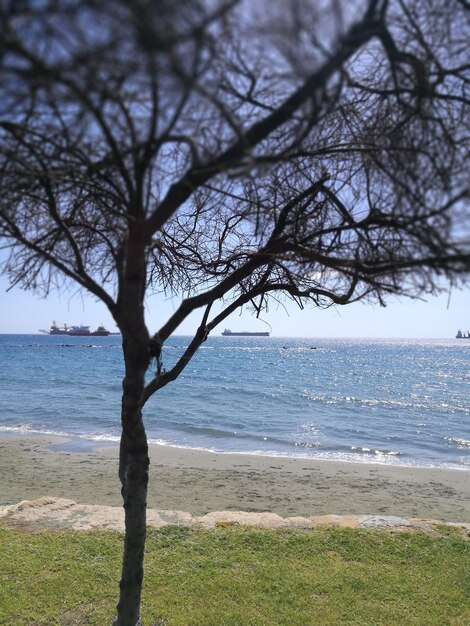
312	148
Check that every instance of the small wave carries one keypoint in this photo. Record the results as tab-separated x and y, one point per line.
444	407
53	346
29	428
308	445
20	427
219	433
212	432
75	345
243	348
376	452
462	443
98	437
381	457
328	456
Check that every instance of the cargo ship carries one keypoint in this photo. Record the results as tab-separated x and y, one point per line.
461	335
243	333
75	331
55	329
84	331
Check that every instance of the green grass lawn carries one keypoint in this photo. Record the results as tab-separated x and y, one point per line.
240	576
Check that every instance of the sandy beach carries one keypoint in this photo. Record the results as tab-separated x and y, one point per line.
200	482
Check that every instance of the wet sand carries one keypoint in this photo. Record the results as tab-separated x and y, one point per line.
201	482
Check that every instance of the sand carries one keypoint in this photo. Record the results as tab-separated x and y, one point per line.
199	482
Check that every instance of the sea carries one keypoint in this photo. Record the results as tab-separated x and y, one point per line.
397	402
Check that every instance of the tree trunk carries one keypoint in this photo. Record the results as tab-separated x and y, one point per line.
133	453
133	466
133	473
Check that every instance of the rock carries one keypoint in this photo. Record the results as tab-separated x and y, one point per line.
61	514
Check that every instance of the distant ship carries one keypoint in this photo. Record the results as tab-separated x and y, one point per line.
55	329
75	331
461	335
84	331
229	333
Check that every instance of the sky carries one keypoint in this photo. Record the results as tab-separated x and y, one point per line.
438	317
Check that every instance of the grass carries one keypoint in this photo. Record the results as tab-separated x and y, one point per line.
238	576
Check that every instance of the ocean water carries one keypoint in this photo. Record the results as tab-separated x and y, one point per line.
381	401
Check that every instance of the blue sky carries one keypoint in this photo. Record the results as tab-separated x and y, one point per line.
24	312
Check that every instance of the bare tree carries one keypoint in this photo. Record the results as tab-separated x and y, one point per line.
229	152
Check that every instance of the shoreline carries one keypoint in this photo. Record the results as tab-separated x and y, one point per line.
81	443
199	482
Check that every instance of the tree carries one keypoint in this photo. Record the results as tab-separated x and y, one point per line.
228	152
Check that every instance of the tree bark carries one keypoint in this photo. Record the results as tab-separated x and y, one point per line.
133	470
133	455
133	473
